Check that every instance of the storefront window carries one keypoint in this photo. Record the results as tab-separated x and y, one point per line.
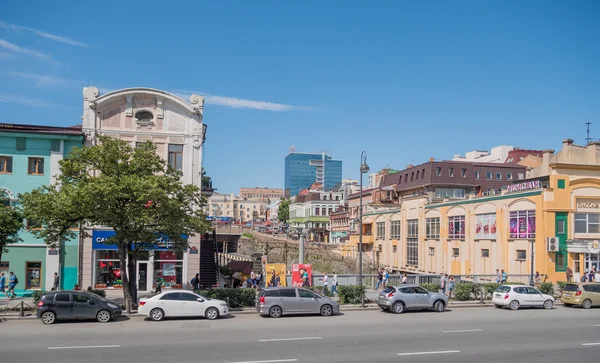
456	227
587	223
108	269
485	226
522	224
34	273
169	266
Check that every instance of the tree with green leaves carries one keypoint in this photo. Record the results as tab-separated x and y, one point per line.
283	213
11	222
131	190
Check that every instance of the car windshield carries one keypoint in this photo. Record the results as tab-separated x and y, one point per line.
503	288
570	287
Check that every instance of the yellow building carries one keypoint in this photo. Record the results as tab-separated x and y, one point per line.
555	213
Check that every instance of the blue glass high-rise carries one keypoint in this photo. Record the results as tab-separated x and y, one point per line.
304	169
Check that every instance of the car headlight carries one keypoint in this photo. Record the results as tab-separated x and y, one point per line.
223	304
114	306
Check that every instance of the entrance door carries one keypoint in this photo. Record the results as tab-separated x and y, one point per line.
142	273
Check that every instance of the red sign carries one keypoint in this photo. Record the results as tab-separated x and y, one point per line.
301	275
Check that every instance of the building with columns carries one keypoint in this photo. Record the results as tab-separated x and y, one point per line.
176	127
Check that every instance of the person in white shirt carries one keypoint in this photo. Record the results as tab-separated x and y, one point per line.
325	283
334	284
597	276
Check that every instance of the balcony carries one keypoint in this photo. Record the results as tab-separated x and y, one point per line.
369	239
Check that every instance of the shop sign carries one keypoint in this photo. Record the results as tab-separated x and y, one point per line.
100	241
535	184
588	205
593	247
193	250
52	252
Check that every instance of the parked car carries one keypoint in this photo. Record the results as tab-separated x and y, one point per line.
515	296
278	301
76	305
584	294
181	304
410	297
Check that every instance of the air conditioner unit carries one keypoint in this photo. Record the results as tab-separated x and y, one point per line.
552	244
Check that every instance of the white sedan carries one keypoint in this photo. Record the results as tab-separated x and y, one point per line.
181	304
515	296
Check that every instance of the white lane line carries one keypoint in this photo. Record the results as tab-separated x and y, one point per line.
269	361
597	325
590	344
461	331
438	352
289	339
85	347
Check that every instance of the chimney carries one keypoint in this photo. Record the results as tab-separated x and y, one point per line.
546	157
431	160
567	142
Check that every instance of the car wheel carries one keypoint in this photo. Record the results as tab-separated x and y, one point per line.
548	304
326	310
398	308
211	313
275	312
103	316
439	306
514	305
157	314
587	303
48	318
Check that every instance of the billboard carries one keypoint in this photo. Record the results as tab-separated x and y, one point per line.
299	275
279	269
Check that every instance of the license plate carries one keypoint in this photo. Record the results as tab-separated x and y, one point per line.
498	295
381	296
567	294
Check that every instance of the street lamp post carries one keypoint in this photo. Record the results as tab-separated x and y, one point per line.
364	168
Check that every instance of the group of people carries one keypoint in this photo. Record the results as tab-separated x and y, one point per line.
12	283
334	282
447	285
591	276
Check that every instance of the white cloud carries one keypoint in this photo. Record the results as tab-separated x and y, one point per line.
234	102
41	80
17	49
42	34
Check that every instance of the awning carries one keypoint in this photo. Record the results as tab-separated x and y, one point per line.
583	246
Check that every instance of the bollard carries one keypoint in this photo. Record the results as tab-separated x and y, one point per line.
481	292
22	314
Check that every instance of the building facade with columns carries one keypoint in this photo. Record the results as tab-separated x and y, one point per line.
176	127
29	159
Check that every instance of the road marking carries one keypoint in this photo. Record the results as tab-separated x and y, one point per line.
462	331
438	352
289	339
269	361
590	344
597	325
85	347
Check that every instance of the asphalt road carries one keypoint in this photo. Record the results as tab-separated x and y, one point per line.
463	335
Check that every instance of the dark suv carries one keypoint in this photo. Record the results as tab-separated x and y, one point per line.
76	305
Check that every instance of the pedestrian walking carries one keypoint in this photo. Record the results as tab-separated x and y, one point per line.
498	277
253	279
404	279
195	282
584	276
504	276
334	284
569	274
13	281
3	284
450	286
386	276
325	283
538	280
591	276
56	282
597	276
159	284
443	283
379	279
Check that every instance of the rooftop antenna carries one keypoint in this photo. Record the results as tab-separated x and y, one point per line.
588	138
293	149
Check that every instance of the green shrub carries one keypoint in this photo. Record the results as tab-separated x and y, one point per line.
464	292
431	287
248	235
489	289
561	284
351	294
547	288
37	295
236	298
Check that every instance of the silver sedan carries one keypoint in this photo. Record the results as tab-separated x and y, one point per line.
410	297
278	301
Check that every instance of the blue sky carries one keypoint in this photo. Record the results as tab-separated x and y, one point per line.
404	81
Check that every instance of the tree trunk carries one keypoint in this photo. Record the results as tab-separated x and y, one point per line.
124	279
132	273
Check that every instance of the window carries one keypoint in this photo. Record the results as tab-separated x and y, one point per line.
431	251
4	266
522	224
144	117
418	174
287	293
420	290
463	173
485	253
108	269
80	298
521	176
587	223
561	184
560	227
451	172
412	176
432	228
488	175
412	243
176	156
395	233
63	298
455	252
33	274
55	145
36	166
305	294
380	230
456	227
33	224
477	175
394	248
438	171
184	296
407	290
5	164
423	174
485	226
317	211
173	296
509	176
498	176
449	193
521	255
169	266
21	143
